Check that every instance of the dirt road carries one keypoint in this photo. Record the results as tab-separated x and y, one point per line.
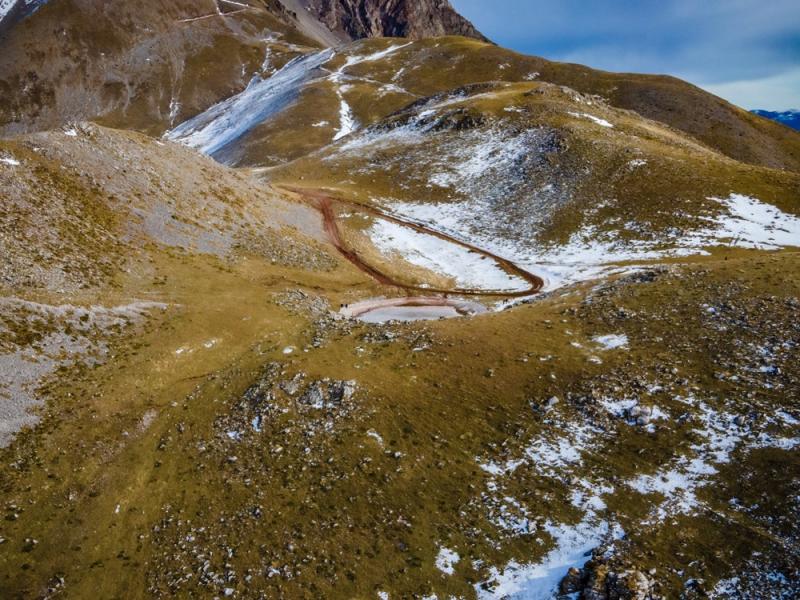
324	202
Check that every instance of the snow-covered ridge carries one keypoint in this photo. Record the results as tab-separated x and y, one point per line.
225	122
742	222
5	7
790	118
22	7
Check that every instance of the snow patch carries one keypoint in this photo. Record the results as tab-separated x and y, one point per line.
611	342
467	268
347	121
750	223
742	221
597	120
723	434
5	7
30	6
573	547
358	59
446	561
548	454
552	456
211	131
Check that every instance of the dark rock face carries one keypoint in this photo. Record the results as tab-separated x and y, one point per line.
393	18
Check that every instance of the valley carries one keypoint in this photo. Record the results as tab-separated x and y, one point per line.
289	309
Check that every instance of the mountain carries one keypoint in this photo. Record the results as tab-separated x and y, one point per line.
790	118
392	18
331	21
145	68
287	314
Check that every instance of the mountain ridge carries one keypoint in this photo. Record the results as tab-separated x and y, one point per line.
393	18
104	63
790	118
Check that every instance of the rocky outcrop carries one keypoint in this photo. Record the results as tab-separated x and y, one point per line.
607	576
597	582
393	18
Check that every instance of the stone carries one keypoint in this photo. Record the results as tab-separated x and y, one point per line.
314	396
572	582
629	585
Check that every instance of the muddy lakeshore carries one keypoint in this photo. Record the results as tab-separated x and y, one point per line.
381	310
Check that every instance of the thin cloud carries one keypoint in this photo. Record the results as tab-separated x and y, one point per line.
724	45
778	92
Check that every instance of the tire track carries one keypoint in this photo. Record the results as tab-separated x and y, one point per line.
324	202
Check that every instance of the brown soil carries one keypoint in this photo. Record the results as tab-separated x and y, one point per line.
324	203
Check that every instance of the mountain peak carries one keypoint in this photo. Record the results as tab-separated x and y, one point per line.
335	21
389	18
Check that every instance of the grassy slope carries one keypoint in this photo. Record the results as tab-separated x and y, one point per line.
589	166
80	209
434	66
124	64
132	483
364	524
683	106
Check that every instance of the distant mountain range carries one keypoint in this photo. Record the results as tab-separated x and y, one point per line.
790	118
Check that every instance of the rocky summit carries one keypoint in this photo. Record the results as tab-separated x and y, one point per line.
392	18
338	299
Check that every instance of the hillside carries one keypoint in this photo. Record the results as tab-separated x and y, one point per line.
287	315
146	66
167	83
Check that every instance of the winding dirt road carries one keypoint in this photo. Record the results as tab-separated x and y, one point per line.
324	202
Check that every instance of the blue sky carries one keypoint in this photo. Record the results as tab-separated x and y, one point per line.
747	51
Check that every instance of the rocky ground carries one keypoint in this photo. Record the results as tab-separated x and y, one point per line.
185	411
599	423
